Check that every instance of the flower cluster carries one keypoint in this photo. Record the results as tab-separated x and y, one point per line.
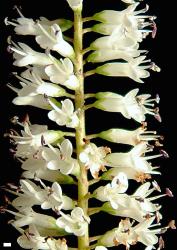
54	81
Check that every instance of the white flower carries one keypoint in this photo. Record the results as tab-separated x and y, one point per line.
131	22
103	55
61	72
130	106
134	163
24	56
61	158
27	26
116	41
75	223
46	197
37	70
36	166
37	101
130	137
36	135
34	85
132	69
111	191
75	4
93	158
121	32
64	116
27	216
31	239
53	40
137	206
127	234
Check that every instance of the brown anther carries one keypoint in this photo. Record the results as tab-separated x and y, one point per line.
161	243
142	177
158	144
103	168
139	199
147	216
158	216
158	117
14	120
86	141
115	241
169	193
107	150
26	119
9	49
171	224
154	31
144	125
164	153
156	186
42	141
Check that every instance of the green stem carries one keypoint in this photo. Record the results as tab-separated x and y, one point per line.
71	134
94	210
90	72
86	30
94	238
90	137
83	241
87	19
70	95
90	95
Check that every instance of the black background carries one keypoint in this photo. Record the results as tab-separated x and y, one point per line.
161	50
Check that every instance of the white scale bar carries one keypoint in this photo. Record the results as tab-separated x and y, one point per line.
7	244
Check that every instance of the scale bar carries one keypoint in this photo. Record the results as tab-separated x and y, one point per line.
7	244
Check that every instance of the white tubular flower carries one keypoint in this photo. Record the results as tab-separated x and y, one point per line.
138	206
130	137
36	135
132	69
36	164
34	85
61	72
116	41
37	101
64	116
103	55
27	26
27	216
24	56
53	40
135	35
75	223
61	158
111	191
134	163
36	70
93	158
129	19
48	198
130	106
75	4
31	239
128	235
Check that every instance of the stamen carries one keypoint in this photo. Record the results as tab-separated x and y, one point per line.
164	153
154	67
169	193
